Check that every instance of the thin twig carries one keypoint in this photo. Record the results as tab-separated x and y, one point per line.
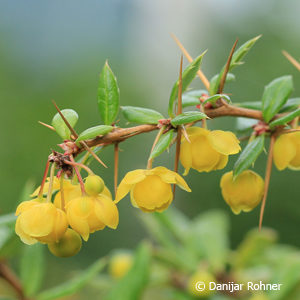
62	193
226	70
78	175
49	194
9	276
150	160
88	170
47	125
190	59
292	60
93	154
267	180
40	195
179	111
116	166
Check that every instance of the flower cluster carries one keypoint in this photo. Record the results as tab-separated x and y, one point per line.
71	214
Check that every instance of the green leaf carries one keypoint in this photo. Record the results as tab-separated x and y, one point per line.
131	286
285	119
188	117
213	99
191	98
59	125
235	61
92	132
32	269
141	115
74	285
108	95
187	77
249	155
253	247
291	104
229	78
209	238
162	144
275	95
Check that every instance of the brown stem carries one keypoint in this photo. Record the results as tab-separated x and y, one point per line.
116	166
9	276
267	180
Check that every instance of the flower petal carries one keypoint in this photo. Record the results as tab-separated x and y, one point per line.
225	142
25	238
25	205
128	181
185	156
107	211
221	163
284	151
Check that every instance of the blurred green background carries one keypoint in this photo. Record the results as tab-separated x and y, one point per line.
56	49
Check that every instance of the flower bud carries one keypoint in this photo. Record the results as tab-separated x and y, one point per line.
198	284
244	193
120	264
69	245
94	185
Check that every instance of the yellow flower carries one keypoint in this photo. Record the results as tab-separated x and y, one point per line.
88	214
150	190
40	221
55	187
120	264
198	284
207	150
72	191
69	244
244	193
286	151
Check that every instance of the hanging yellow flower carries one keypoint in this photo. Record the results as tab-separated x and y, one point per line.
73	191
150	190
244	193
88	214
207	150
120	264
286	153
40	222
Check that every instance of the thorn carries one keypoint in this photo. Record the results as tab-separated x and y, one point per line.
65	120
47	125
93	154
200	74
227	66
292	60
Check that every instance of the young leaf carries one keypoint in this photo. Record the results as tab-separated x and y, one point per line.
131	286
162	144
32	269
141	115
188	117
275	95
235	61
291	104
249	155
285	119
108	95
92	132
229	78
213	99
74	285
191	98
59	124
187	77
